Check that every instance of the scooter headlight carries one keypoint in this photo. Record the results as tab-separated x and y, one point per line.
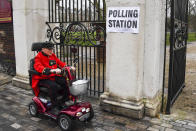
88	109
83	109
78	114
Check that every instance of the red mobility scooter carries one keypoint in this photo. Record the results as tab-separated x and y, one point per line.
74	110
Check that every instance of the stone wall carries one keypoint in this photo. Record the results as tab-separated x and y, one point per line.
7	52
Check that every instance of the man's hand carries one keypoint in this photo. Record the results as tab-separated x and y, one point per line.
46	71
57	71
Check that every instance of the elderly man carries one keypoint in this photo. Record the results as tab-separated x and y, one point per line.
46	63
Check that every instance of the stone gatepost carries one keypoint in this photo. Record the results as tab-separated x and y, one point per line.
29	17
134	65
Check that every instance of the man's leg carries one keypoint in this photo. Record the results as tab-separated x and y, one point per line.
61	81
53	88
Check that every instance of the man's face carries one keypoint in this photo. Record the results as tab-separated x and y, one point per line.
47	51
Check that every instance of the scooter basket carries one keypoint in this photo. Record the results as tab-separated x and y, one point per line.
79	87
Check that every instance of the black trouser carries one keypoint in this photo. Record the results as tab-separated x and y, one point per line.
55	88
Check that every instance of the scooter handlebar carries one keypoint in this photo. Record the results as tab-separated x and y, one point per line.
69	71
56	71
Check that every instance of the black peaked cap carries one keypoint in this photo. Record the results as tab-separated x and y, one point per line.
47	45
39	45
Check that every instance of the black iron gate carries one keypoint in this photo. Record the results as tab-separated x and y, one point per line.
77	28
178	45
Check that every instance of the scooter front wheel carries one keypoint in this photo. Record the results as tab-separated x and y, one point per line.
33	109
64	122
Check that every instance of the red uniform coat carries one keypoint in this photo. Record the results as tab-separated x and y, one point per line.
41	62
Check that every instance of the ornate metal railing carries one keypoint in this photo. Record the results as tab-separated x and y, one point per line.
67	11
77	28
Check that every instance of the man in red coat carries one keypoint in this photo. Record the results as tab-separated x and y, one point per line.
46	63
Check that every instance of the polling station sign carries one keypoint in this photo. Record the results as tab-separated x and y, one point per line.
123	19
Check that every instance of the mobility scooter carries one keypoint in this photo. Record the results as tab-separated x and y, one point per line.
74	110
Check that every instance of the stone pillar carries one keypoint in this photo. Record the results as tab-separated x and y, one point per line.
29	17
153	55
134	65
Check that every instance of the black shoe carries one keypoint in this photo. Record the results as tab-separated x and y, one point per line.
66	99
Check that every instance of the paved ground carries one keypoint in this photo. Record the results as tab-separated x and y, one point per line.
14	116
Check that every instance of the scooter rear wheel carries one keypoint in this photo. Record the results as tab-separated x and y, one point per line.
64	122
33	109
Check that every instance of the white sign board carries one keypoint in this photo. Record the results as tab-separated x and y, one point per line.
123	19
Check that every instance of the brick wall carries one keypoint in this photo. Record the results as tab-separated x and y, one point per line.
7	54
